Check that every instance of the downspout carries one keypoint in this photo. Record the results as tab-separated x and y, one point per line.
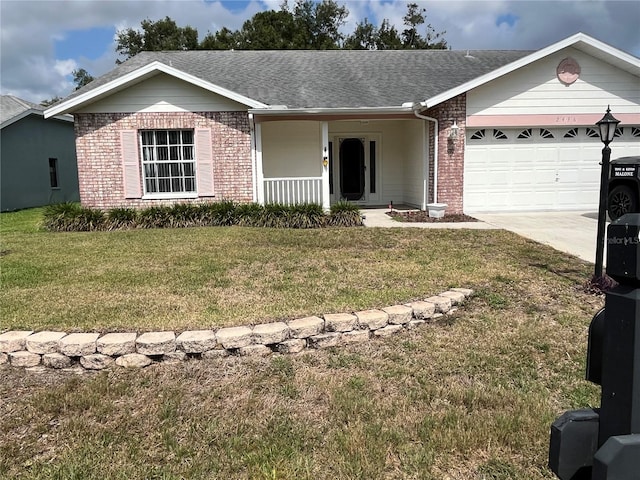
435	148
254	174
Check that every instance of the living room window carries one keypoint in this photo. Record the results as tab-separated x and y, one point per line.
168	162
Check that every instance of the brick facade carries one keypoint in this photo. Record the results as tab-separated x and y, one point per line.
451	152
100	169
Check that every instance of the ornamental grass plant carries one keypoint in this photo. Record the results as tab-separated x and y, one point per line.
70	217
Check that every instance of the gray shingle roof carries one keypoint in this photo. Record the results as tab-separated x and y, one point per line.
327	79
11	107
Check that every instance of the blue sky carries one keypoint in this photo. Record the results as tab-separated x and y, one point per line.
43	41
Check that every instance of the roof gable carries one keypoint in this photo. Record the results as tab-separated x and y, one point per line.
108	86
13	109
579	41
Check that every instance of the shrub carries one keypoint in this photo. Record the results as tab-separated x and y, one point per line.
307	215
155	217
220	213
184	215
274	215
121	218
72	217
345	214
249	215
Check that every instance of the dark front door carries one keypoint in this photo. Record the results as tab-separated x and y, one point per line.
352	169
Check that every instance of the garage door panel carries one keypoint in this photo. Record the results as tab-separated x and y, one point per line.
536	173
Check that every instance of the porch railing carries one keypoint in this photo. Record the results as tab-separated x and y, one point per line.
294	190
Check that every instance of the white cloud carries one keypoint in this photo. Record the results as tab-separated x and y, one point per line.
64	67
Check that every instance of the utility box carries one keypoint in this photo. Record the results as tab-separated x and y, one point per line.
623	245
604	443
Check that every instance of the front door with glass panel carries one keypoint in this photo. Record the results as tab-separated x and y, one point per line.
353	169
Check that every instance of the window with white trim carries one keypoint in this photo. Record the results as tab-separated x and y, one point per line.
168	162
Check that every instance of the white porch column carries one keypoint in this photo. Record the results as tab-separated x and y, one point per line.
259	171
325	165
425	168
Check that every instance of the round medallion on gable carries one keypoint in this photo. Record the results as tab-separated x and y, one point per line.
568	71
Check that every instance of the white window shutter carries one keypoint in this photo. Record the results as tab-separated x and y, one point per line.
204	161
130	164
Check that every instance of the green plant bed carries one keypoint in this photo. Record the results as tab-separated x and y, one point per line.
72	217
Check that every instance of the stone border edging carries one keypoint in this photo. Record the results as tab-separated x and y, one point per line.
94	352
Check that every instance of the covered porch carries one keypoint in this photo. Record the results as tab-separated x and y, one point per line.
367	161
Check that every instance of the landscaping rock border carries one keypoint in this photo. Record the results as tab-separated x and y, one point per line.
93	351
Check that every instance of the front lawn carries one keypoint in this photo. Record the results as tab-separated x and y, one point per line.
471	396
190	278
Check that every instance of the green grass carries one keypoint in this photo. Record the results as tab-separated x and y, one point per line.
471	396
219	276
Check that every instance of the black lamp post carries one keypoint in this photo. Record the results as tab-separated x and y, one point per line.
607	126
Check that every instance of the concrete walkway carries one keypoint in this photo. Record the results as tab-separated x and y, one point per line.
570	232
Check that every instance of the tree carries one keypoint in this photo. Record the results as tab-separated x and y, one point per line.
51	101
81	77
388	38
223	39
415	17
269	30
156	36
364	37
318	24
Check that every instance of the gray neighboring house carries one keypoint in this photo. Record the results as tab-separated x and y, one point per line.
37	158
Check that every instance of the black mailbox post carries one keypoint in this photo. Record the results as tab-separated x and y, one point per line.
604	443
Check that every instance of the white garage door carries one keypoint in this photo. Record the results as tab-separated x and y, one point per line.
529	169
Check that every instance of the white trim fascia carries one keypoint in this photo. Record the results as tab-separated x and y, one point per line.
574	40
33	111
146	70
330	111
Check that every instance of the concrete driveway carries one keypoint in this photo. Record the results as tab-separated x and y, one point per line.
570	232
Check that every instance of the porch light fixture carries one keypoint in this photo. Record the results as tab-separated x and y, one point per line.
607	126
453	131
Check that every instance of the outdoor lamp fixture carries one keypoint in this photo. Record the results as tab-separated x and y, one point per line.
607	126
453	131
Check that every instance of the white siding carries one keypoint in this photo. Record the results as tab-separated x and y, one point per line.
414	163
163	93
535	89
291	149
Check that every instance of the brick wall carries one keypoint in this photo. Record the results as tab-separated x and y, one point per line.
98	147
451	152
